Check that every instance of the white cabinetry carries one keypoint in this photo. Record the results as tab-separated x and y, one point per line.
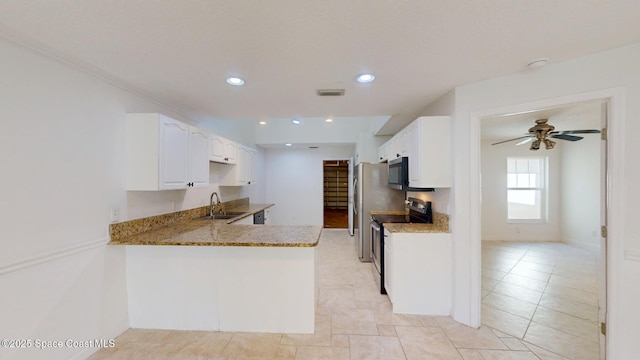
399	145
418	272
392	147
164	154
198	161
430	153
243	172
267	216
222	150
426	142
382	152
388	266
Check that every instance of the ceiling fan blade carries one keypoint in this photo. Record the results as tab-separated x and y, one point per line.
567	137
518	138
525	141
586	131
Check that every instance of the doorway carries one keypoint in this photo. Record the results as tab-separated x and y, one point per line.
336	193
540	276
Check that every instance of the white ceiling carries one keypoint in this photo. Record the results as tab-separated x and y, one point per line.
179	52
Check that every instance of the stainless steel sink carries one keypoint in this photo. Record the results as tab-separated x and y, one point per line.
224	215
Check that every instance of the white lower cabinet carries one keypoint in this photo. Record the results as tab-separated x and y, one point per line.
267	216
388	266
418	272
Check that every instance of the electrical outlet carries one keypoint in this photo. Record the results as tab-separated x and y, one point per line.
115	214
517	230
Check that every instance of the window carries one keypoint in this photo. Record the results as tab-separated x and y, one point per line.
526	188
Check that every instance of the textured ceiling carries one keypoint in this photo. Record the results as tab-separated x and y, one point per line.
180	52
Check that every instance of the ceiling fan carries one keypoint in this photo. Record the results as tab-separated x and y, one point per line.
541	132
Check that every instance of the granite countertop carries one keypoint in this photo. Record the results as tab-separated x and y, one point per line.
207	232
414	228
440	223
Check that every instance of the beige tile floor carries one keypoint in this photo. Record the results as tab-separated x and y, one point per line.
353	321
544	293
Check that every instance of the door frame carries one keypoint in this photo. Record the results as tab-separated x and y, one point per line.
614	251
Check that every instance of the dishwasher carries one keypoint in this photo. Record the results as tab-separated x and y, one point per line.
258	218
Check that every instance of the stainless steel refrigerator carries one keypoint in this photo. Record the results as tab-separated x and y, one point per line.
371	193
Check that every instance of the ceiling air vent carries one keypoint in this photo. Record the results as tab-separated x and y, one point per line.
330	92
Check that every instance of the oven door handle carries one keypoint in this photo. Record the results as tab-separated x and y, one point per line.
375	226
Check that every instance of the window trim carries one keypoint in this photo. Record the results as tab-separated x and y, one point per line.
544	189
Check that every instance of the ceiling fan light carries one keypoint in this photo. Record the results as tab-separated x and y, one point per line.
549	144
535	145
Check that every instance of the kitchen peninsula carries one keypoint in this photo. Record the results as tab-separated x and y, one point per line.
203	274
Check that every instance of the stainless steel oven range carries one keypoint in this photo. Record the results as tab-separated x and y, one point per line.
419	212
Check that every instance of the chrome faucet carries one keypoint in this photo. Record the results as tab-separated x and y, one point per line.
212	205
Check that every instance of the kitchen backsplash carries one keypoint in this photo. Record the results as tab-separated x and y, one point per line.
132	227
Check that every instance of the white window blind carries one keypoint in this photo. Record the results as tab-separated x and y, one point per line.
526	188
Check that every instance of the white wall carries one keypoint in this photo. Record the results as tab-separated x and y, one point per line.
341	131
494	195
63	146
295	182
240	131
580	186
599	72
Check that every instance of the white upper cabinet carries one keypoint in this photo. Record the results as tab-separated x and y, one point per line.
398	146
222	150
165	154
382	152
198	157
426	142
430	152
243	172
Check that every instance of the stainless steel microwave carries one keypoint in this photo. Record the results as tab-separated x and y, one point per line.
399	173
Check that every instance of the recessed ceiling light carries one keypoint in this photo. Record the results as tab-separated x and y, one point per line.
288	144
365	78
296	121
328	120
262	123
235	81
